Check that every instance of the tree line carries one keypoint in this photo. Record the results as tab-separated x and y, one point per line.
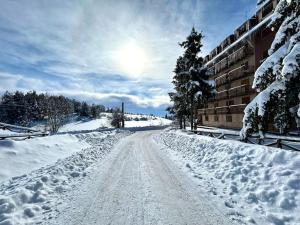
26	108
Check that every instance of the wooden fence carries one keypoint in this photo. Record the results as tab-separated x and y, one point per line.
21	132
273	140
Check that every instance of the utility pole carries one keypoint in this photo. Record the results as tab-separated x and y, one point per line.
123	122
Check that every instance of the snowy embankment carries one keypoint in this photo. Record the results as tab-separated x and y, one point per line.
20	157
255	184
30	198
78	125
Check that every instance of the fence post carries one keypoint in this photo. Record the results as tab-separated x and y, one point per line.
278	142
259	141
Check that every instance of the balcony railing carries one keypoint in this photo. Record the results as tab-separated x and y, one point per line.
221	80
237	109
201	111
222	95
222	110
240	72
237	55
221	65
240	90
232	109
233	58
210	111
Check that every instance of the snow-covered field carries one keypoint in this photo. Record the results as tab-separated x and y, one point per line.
255	184
30	198
86	125
104	122
20	157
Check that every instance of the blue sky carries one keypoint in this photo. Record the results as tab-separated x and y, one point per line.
107	51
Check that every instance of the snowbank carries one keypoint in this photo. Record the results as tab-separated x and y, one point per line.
257	184
30	199
6	132
20	157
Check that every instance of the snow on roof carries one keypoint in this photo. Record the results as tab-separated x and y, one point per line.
241	38
261	3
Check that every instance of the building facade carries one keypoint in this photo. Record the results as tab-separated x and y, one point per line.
233	64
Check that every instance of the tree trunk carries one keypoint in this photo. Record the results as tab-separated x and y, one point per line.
123	118
192	113
196	118
184	125
180	122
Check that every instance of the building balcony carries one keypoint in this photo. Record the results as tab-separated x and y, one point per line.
237	109
221	80
210	111
240	90
201	111
219	66
222	110
233	58
237	55
240	72
221	95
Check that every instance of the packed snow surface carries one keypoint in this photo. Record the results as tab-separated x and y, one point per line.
257	184
136	183
32	198
20	157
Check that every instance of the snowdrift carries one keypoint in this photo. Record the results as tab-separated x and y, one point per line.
257	184
20	157
30	198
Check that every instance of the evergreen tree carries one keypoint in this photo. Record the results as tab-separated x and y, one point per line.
116	118
85	110
277	80
191	80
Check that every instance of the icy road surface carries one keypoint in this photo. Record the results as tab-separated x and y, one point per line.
137	184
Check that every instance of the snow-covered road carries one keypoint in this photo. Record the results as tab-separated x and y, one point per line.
137	184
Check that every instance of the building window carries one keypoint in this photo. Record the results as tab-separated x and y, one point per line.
245	81
216	118
228	118
206	118
216	104
246	100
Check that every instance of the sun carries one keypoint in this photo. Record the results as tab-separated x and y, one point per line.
132	59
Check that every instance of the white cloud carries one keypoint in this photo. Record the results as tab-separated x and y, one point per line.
64	42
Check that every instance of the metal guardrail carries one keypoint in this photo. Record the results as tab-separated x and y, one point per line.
271	140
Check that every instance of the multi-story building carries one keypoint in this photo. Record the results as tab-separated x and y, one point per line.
233	64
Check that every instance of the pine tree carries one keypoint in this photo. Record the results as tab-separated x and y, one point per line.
277	80
116	118
85	110
191	80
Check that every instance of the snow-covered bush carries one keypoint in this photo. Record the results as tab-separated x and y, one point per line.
277	80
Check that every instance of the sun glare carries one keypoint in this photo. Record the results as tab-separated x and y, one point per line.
133	59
